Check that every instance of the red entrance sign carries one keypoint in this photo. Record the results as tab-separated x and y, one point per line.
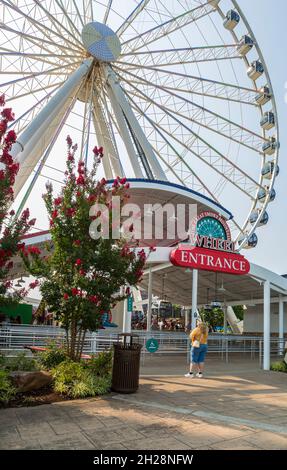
210	260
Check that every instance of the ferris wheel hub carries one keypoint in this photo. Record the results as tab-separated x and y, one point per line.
101	42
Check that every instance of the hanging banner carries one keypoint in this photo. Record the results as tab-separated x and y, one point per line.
209	260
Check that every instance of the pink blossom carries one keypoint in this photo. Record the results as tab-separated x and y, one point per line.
8	114
58	201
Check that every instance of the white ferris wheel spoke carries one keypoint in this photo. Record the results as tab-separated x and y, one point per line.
38	42
217	123
129	20
188	148
193	91
65	13
221	89
210	155
57	25
107	12
87	11
37	90
78	12
178	155
168	27
53	71
32	58
188	55
180	159
40	26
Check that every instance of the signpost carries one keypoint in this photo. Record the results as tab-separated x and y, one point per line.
152	345
211	248
130	303
209	260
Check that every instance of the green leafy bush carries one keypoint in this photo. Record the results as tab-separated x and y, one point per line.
53	356
7	391
2	361
279	366
76	380
101	364
20	362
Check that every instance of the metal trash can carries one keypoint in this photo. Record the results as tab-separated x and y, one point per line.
126	366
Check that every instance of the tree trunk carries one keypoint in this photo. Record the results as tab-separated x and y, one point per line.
73	340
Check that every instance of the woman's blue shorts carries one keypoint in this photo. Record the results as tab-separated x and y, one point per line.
197	355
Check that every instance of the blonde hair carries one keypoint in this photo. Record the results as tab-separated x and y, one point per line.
203	328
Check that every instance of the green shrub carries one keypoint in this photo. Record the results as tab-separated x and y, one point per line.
21	362
75	380
103	384
53	356
101	364
2	361
7	391
279	366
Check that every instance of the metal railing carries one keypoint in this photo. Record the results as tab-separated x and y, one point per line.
15	337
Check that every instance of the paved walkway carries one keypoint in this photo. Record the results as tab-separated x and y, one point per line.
236	406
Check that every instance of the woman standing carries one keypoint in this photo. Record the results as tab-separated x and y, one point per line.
198	338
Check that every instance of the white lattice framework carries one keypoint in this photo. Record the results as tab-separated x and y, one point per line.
175	105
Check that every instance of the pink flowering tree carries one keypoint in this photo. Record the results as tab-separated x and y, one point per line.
11	229
82	277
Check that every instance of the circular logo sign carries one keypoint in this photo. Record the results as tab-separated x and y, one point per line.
152	345
209	224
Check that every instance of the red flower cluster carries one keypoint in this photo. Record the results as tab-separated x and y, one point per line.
31	250
71	211
142	255
7	114
34	284
81	180
58	201
98	152
15	229
76	292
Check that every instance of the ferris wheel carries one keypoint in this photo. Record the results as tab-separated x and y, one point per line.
173	90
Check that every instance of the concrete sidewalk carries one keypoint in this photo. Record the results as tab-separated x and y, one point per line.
236	406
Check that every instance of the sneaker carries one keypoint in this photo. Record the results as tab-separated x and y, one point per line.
199	374
189	374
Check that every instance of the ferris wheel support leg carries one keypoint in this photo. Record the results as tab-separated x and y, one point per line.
34	140
125	135
112	81
110	161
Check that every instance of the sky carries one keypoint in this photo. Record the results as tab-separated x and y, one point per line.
268	22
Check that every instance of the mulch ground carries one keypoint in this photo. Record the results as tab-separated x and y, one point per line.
43	396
